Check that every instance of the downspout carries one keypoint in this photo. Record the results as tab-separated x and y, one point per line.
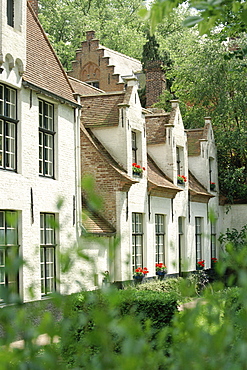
78	206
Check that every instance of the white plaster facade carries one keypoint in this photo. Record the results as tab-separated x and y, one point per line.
22	189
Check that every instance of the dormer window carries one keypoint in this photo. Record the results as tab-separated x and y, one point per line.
10	13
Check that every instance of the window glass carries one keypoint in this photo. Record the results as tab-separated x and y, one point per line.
8	249
46	139
10	13
8	128
47	253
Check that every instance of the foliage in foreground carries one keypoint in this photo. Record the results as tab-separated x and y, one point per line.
135	328
124	324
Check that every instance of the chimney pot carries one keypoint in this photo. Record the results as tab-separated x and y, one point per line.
207	120
174	103
90	35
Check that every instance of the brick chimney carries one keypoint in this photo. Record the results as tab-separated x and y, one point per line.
34	5
155	82
90	35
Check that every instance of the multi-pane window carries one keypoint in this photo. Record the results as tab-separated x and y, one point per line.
137	241
47	253
10	13
8	251
198	235
213	240
8	128
46	139
134	147
159	238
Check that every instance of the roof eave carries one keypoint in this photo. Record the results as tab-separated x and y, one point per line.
48	93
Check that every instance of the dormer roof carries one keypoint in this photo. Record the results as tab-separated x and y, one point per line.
197	191
157	121
95	224
158	183
44	72
103	109
107	158
194	138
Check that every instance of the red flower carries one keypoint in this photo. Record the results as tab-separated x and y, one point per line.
144	169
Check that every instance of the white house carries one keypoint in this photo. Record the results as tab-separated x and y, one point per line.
157	218
39	157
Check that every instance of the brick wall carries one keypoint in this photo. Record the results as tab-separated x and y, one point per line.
155	82
107	182
91	65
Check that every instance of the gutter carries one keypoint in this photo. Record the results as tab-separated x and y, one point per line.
50	94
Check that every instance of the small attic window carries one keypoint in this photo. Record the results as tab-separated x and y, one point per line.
94	83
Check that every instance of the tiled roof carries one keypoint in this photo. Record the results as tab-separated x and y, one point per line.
156	130
158	183
43	68
194	136
197	191
96	224
101	110
83	88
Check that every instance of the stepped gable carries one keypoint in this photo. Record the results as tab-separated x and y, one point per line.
44	70
155	124
123	64
158	183
95	224
194	138
102	67
103	109
82	88
197	191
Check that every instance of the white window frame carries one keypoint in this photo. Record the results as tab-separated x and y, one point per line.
8	128
46	139
137	240
47	253
159	238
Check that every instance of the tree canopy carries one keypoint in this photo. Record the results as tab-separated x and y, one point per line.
115	22
206	72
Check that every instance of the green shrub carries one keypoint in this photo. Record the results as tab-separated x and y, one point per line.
102	322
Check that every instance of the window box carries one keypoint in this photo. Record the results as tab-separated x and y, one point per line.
137	170
181	179
137	174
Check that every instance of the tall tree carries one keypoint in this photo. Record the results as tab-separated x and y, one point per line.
116	24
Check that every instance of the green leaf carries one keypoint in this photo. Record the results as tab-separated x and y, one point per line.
192	21
243	16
